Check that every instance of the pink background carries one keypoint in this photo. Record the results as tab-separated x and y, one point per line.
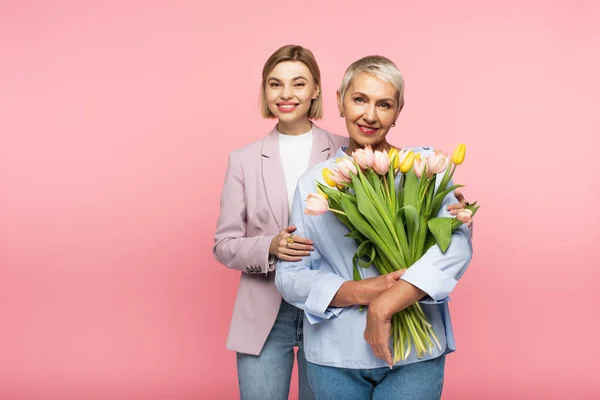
116	119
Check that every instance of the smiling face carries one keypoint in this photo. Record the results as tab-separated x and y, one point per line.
370	107
289	91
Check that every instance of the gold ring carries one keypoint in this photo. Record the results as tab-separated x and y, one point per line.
289	239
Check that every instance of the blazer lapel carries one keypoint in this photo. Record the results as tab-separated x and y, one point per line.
322	148
274	179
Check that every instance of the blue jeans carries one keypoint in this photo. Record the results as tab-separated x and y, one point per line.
418	381
267	376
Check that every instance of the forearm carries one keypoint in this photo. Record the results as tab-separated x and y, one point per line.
397	298
347	295
244	254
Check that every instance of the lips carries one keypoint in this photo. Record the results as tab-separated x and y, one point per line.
367	130
286	106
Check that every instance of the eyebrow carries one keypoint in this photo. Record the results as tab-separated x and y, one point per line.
298	77
362	94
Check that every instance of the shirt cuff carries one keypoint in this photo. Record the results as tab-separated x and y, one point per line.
429	300
431	280
316	306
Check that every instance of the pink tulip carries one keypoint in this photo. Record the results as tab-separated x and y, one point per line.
437	162
346	167
316	204
364	157
381	162
338	177
465	216
419	165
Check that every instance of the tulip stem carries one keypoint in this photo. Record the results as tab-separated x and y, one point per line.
337	211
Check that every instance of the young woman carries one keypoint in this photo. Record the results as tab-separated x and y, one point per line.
253	232
348	351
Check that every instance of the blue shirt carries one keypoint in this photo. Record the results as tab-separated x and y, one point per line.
335	336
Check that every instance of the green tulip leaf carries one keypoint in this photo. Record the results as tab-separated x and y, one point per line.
441	228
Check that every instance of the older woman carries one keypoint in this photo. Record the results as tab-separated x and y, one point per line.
341	363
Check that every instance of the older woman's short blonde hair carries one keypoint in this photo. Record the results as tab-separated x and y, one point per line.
292	53
378	66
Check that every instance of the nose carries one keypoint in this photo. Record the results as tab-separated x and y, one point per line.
287	92
370	116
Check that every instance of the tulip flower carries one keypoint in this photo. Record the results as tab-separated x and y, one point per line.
459	154
465	216
338	177
381	162
437	162
316	204
420	164
346	167
364	157
394	153
407	162
327	177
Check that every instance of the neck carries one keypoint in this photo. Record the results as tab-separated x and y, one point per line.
294	128
381	146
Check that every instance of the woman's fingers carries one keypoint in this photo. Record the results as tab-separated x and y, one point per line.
300	239
292	252
285	257
298	246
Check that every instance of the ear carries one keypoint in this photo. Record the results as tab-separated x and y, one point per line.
339	102
317	92
398	112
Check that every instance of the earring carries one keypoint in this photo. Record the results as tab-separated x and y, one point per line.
342	114
393	125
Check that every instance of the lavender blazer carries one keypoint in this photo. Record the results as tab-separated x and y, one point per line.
254	208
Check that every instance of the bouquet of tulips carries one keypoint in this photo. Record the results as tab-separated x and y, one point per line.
389	202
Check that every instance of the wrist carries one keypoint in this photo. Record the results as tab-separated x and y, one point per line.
380	309
273	246
347	295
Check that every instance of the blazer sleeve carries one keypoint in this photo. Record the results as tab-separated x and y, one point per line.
232	248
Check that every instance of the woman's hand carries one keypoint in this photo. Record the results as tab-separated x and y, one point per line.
371	288
456	207
377	332
289	247
363	292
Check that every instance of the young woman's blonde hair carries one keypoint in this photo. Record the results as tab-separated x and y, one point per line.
292	53
380	67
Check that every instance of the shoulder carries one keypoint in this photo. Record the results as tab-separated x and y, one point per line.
248	150
337	140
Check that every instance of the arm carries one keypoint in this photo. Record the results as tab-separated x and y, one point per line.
363	292
301	283
232	248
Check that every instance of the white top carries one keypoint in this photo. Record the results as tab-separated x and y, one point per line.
295	155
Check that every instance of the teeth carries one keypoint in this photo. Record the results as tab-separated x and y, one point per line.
287	106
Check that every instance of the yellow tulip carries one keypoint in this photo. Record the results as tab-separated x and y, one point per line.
322	193
327	174
394	153
408	162
459	154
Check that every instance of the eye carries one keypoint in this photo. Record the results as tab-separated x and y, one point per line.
274	84
300	84
359	100
385	105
